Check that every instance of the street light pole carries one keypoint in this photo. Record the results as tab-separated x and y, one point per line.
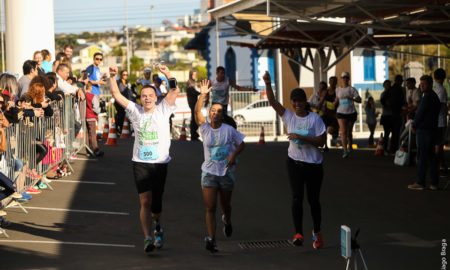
151	29
127	37
2	37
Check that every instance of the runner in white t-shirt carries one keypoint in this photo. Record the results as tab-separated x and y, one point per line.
150	152
306	132
346	95
221	144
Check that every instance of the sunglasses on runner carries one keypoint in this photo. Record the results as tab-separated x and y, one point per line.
101	59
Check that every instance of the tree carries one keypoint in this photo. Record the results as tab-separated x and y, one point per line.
202	73
183	42
117	51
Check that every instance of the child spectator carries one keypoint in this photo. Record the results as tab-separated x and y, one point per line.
92	111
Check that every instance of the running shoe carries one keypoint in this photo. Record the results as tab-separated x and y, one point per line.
32	190
42	186
210	244
345	154
227	228
4	223
416	186
159	238
26	196
433	187
298	240
317	240
16	195
148	245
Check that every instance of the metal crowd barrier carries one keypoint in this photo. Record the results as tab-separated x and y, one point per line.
62	134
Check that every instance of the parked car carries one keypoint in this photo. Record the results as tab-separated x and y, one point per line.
258	111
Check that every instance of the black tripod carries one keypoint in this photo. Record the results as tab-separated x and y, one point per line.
357	251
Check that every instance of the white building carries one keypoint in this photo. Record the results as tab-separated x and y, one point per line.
369	69
169	34
243	65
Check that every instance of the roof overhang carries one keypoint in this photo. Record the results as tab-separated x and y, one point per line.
386	23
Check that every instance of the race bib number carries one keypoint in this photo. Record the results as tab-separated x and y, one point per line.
345	102
302	132
149	152
219	153
330	106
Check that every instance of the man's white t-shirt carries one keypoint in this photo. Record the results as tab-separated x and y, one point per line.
152	132
442	95
218	144
220	91
346	106
311	126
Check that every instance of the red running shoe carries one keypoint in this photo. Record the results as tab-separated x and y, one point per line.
317	240
32	190
298	240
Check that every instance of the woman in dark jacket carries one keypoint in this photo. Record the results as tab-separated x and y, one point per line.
192	93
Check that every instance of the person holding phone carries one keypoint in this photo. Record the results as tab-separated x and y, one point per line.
222	144
150	152
306	133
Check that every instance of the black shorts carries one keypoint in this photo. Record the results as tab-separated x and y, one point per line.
330	121
149	176
350	117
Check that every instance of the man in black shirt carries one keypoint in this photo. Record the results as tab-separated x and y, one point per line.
425	125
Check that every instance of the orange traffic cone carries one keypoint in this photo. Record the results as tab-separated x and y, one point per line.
380	148
112	136
261	137
125	130
80	134
183	132
105	130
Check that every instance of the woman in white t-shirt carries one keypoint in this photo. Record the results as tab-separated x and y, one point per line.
346	95
306	132
221	144
150	151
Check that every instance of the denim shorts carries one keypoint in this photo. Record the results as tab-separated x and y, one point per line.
225	182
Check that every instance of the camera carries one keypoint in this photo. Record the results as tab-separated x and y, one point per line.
172	83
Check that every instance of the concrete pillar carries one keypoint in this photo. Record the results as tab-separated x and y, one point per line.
318	66
413	70
29	28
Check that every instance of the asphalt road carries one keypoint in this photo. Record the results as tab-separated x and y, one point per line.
92	223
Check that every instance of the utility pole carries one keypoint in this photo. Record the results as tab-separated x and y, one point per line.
127	36
151	29
2	37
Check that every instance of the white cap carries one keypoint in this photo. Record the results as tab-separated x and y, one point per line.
345	74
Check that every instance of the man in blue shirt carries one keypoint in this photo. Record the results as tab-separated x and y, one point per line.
94	75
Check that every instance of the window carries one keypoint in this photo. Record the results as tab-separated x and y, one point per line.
369	65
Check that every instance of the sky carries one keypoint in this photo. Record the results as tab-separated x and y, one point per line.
77	16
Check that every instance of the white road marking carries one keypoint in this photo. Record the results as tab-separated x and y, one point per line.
84	182
77	211
67	243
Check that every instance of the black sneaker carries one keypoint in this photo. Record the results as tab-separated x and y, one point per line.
227	228
4	223
210	244
148	245
99	153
